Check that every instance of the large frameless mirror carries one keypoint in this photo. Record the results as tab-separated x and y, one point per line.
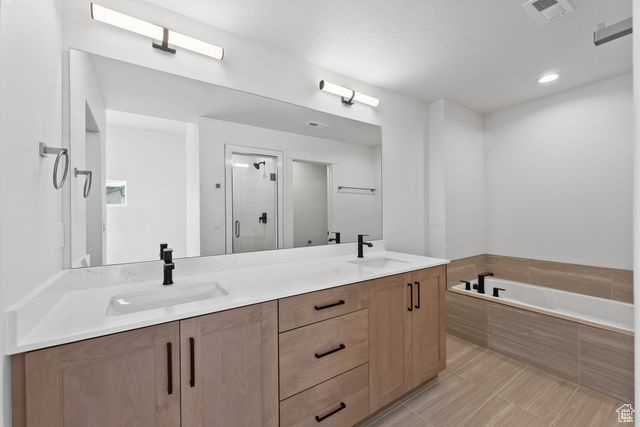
209	170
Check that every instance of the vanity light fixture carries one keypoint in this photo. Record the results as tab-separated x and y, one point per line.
548	78
349	96
155	32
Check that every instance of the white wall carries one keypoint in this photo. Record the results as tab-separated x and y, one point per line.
30	111
559	177
84	91
636	193
456	181
285	78
352	165
154	165
310	220
192	167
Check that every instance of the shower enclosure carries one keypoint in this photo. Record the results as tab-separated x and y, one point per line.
253	199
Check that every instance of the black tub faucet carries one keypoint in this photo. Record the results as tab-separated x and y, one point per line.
336	238
467	285
362	243
169	266
481	277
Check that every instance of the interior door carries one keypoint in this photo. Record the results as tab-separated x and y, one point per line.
390	354
254	203
229	368
428	323
126	379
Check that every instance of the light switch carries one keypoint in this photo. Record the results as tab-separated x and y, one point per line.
216	224
434	221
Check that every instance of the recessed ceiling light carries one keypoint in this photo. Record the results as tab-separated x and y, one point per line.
548	78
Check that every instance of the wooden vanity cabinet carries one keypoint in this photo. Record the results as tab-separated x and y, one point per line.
230	368
126	379
407	333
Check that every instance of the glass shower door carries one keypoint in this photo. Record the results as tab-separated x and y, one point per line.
254	203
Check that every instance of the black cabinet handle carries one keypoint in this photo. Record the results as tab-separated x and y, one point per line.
411	296
341	347
335	411
418	304
192	361
169	369
323	307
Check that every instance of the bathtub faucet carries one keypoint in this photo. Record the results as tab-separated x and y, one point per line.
481	277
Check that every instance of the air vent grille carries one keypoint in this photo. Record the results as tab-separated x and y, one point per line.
546	11
541	5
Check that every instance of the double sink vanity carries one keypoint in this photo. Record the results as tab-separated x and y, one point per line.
290	337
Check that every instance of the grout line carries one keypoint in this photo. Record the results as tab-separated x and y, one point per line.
419	416
564	406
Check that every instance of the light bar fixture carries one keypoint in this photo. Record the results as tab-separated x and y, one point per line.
155	32
349	96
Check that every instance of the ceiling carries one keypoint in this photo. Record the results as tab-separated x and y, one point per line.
484	54
139	90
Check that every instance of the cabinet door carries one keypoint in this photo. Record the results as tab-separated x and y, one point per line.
390	339
428	323
126	379
229	368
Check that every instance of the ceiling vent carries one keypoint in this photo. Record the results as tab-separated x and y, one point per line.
546	11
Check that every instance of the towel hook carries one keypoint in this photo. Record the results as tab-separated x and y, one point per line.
44	151
87	181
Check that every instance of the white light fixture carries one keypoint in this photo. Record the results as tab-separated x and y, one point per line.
548	78
155	32
349	96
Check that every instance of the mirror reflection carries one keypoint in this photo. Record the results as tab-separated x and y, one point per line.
209	170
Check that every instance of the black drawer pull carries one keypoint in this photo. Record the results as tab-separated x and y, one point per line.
169	369
411	297
418	285
335	411
341	347
192	362
323	307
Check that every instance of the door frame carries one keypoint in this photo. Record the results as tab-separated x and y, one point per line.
229	151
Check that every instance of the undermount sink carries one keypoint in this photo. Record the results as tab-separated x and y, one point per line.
380	262
163	296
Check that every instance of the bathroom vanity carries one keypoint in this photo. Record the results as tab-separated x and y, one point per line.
339	340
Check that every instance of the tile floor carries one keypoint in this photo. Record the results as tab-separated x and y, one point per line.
484	388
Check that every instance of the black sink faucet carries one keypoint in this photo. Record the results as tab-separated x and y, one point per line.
362	243
169	266
336	238
481	277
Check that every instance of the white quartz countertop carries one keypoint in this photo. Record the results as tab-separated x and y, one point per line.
79	312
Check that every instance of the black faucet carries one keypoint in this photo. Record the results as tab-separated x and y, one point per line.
169	266
481	277
163	246
362	243
467	285
335	239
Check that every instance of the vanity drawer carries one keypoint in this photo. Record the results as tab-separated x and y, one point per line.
314	307
341	401
318	352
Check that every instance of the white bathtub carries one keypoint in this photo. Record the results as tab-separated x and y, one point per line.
584	309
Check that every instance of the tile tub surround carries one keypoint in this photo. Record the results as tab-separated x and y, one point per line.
72	305
599	359
523	396
594	281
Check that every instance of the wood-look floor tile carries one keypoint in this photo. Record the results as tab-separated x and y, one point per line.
581	279
539	392
398	416
491	370
449	401
589	408
459	352
500	413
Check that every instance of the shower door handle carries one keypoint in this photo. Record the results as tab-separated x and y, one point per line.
237	228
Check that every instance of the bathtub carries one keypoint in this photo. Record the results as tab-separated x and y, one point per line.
593	311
